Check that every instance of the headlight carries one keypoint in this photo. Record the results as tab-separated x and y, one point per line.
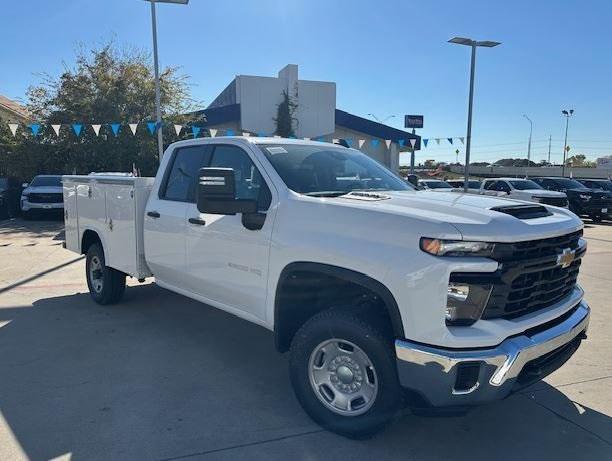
584	197
465	302
439	247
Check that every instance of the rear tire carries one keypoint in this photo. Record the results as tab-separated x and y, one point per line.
343	372
596	218
106	285
26	215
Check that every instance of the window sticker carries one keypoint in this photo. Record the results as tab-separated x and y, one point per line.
276	150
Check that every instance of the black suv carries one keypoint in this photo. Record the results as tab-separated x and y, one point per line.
10	191
584	201
603	184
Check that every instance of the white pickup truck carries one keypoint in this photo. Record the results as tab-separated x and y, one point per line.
523	189
382	295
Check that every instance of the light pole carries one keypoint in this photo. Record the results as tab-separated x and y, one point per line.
529	143
474	44
160	135
567	114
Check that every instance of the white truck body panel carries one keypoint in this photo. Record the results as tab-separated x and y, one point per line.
113	207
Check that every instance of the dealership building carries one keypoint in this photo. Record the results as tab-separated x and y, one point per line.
249	104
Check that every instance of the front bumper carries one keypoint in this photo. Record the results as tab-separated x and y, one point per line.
27	206
459	377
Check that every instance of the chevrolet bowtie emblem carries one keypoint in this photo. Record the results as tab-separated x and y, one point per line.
566	257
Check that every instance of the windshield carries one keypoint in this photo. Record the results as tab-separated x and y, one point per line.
437	185
569	183
329	171
524	184
605	185
53	181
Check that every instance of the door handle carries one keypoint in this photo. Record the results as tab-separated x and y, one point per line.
199	222
153	214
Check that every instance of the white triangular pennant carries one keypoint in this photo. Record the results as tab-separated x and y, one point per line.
96	129
335	141
133	127
56	128
462	139
13	127
413	142
277	136
306	139
361	143
177	129
245	134
388	143
213	132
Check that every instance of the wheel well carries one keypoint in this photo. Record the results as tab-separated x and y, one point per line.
304	289
89	238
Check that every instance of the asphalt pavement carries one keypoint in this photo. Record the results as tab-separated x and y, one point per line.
161	377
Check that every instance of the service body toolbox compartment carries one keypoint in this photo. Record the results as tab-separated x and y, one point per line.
113	207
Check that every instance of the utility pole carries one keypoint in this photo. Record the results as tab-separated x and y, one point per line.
549	143
567	115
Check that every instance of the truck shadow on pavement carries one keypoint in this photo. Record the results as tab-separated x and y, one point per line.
162	377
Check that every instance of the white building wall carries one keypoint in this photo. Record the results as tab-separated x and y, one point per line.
388	157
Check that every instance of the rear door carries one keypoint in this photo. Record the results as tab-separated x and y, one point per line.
226	262
166	214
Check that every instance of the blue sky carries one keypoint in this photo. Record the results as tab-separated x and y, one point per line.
386	56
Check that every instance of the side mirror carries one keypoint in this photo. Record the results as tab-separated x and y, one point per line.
413	179
217	193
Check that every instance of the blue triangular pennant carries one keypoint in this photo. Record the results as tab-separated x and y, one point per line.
229	132
375	143
77	127
115	127
35	127
152	126
450	140
425	141
195	130
349	141
321	139
261	135
401	142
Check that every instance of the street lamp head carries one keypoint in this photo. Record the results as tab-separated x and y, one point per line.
470	42
571	111
180	2
568	114
461	41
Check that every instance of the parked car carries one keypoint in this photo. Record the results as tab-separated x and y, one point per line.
434	184
43	194
369	285
603	184
459	183
525	189
594	203
10	191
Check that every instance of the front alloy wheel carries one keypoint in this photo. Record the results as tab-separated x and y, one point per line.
343	377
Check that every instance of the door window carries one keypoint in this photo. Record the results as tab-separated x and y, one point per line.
502	186
181	182
490	185
249	182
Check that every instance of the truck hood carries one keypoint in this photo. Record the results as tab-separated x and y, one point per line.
43	190
544	193
472	215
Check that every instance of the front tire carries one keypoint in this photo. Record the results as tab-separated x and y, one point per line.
344	374
106	285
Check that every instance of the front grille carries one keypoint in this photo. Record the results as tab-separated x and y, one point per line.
46	198
554	201
530	278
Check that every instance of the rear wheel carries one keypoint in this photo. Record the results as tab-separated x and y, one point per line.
344	374
596	218
106	285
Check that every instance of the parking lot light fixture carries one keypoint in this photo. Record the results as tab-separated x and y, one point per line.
473	44
567	114
160	136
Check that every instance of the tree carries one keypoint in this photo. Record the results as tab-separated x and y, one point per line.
580	161
430	164
515	162
285	116
105	85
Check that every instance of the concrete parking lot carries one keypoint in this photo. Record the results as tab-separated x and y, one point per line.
165	378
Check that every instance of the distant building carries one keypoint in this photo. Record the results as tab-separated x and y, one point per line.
11	111
249	104
605	162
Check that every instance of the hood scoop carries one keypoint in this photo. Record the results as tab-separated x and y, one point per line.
368	196
524	211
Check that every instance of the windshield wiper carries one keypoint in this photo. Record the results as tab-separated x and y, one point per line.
327	193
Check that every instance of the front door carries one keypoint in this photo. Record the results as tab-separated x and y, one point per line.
165	220
226	262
